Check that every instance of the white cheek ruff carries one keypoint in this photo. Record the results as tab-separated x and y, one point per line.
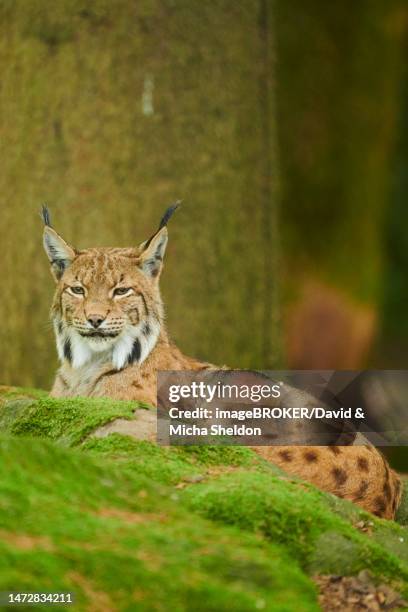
59	338
123	348
133	345
81	350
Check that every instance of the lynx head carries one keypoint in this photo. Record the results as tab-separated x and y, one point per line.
107	303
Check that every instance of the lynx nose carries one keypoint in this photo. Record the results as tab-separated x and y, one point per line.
95	320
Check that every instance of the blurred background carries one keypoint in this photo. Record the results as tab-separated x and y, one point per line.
283	127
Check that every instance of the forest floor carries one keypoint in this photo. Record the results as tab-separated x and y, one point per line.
127	525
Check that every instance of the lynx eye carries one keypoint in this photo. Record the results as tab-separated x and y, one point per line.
122	290
77	290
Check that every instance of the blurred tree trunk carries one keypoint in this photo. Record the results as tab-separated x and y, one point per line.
338	73
111	111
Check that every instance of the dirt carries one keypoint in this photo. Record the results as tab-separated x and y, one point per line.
355	593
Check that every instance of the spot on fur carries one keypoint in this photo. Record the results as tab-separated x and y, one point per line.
380	506
286	455
136	352
361	491
362	464
339	475
68	350
137	385
147	330
310	456
335	450
134	316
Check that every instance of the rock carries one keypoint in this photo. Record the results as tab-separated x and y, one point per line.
143	426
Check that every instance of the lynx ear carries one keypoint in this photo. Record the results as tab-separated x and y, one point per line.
60	254
151	257
163	222
151	252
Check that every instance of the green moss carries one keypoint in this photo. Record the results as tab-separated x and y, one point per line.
299	518
221	455
69	421
160	464
208	523
71	522
172	464
255	499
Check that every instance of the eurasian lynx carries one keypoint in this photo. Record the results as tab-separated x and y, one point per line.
111	340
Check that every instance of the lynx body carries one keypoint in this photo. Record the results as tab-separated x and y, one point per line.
111	340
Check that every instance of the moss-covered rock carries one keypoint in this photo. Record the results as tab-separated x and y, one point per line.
137	526
69	422
80	523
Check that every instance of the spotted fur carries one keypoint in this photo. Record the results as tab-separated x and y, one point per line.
340	474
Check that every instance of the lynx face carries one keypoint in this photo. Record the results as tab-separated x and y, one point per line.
107	304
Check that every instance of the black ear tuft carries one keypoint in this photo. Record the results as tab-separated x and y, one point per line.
164	220
45	213
168	214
